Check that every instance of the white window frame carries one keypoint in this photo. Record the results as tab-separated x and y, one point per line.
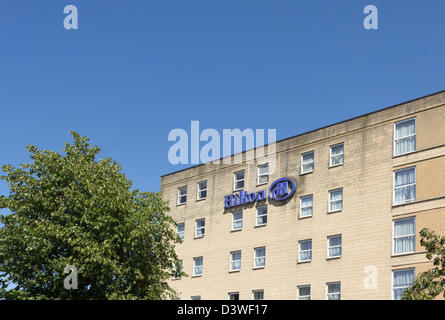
413	135
233	293
330	155
257	291
327	289
261	215
329	247
406	236
181	195
264	174
301	206
329	200
300	297
304	251
194	274
232	261
199	228
198	195
301	162
256	258
392	280
394	186
235	180
180	233
236	220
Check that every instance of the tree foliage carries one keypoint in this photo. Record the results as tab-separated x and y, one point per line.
431	283
72	209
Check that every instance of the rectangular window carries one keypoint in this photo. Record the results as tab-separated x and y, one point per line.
200	228
263	173
404	236
233	295
197	266
258	294
334	246
261	216
306	206
238	180
196	297
237	220
260	257
304	250
402	279
337	155
180	227
336	200
333	291
182	195
405	137
304	292
235	261
405	185
178	270
307	162
202	190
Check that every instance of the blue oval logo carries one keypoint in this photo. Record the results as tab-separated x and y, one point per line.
282	189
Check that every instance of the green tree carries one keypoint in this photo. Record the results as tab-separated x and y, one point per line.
72	209
431	283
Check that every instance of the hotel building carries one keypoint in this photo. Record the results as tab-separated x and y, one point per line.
363	189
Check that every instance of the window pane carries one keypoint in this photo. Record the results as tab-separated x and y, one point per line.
402	279
258	295
404	236
404	185
405	137
263	169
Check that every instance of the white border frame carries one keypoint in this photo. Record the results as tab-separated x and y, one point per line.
258	174
196	228
393	229
394	136
394	186
234	180
230	261
186	191
301	162
299	250
328	283
330	155
392	278
327	246
198	190
342	199
254	257
307	196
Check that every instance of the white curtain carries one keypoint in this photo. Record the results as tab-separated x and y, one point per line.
307	162
335	246
404	236
305	250
336	200
402	280
337	153
405	137
237	220
306	206
334	291
405	188
236	260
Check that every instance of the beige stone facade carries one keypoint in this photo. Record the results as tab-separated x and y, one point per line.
365	221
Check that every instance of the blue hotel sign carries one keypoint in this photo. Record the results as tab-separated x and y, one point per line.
279	190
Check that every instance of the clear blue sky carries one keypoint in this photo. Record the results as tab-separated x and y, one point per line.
137	69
